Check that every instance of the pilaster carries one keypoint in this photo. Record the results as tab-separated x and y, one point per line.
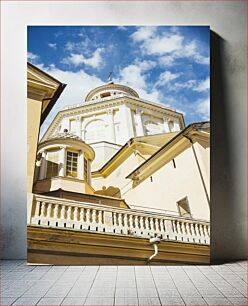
80	173
110	119
42	173
62	161
139	123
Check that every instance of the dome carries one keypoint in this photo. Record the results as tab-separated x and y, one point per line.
110	90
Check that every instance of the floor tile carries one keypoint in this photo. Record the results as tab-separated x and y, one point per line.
217	301
73	301
126	292
147	292
167	301
239	301
99	301
164	292
194	301
26	301
149	301
50	301
7	300
121	301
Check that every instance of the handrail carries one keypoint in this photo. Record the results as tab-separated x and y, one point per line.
64	213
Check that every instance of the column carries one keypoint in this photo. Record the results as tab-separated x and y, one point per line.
176	125
42	173
126	123
139	123
80	173
110	119
166	124
62	161
78	127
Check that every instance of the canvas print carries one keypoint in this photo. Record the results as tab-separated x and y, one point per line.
118	145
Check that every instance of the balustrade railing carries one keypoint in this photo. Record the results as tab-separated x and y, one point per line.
58	213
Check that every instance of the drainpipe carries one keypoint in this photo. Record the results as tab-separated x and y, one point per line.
199	168
154	241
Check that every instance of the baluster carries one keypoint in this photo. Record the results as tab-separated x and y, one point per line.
136	222
183	228
205	230
208	230
178	227
49	210
146	223
201	230
114	219
100	217
151	224
187	229
69	213
120	219
81	215
88	215
156	225
131	221
192	229
42	212
161	222
125	221
75	214
197	230
63	212
56	211
94	216
141	223
174	226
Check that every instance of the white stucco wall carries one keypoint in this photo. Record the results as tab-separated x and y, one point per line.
169	185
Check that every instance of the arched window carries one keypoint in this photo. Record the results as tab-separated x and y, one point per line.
152	128
95	131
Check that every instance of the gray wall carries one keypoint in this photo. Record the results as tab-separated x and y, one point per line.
227	20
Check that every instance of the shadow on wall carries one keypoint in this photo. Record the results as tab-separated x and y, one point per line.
228	230
111	191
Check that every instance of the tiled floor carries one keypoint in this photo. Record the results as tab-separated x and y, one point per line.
112	285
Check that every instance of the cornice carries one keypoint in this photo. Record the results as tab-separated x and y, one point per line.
93	106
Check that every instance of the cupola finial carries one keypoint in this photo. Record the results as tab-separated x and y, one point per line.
110	80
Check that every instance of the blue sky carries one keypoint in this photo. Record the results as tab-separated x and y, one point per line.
163	64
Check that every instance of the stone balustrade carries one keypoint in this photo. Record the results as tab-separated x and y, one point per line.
62	213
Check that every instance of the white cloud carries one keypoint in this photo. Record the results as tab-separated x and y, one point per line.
166	77
203	85
203	108
199	86
33	58
162	45
204	60
143	33
168	46
78	86
166	61
53	46
82	45
78	59
135	75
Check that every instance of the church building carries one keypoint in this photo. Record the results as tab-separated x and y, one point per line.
118	177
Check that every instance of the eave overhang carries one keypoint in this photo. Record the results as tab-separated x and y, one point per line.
44	87
172	148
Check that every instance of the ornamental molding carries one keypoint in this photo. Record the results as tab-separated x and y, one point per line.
87	108
120	87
